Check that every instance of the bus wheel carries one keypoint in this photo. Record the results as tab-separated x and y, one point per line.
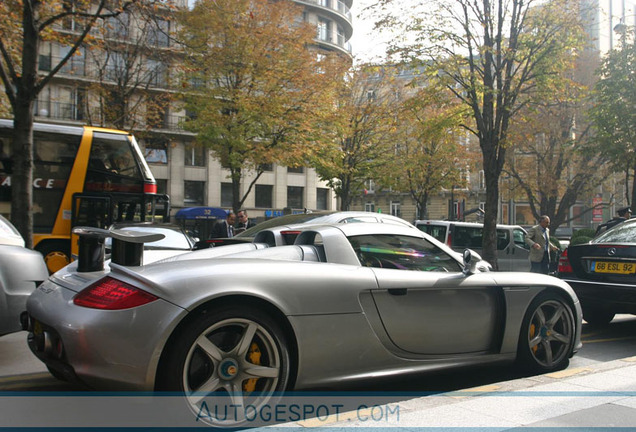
56	255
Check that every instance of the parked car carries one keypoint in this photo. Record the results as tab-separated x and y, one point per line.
21	270
603	273
174	242
512	250
287	224
345	303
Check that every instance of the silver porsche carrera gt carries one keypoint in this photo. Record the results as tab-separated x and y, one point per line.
346	302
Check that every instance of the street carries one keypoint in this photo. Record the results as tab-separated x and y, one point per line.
21	371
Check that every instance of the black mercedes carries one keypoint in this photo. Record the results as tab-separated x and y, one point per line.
603	273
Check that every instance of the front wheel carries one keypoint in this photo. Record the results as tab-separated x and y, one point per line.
547	334
237	357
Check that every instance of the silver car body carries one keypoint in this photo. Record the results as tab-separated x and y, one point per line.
21	270
344	321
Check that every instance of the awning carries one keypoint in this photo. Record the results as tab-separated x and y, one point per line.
201	213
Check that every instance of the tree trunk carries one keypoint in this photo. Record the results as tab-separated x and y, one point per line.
22	175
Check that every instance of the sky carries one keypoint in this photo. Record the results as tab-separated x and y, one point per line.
366	43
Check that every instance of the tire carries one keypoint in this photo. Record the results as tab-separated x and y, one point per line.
57	254
547	334
57	375
597	316
238	354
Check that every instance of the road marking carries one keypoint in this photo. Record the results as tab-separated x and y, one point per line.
472	391
609	339
568	373
25	377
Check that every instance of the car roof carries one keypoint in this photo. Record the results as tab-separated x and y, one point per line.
323	217
448	223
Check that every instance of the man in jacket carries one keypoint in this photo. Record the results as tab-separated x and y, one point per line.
243	222
538	238
224	229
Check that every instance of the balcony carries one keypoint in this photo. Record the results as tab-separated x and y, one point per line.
337	8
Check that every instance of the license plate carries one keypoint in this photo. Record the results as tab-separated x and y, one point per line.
613	267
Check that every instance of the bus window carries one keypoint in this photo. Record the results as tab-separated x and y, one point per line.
112	166
53	161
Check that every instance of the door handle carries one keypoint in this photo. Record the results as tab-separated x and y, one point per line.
397	291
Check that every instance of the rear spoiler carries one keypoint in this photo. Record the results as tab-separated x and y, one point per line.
127	248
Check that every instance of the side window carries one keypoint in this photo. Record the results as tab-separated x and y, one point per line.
402	253
519	237
467	237
436	231
503	239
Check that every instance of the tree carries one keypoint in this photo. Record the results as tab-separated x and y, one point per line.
359	131
26	24
490	54
130	64
549	161
428	152
254	91
613	115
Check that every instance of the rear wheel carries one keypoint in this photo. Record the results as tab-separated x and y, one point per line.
547	334
597	316
233	357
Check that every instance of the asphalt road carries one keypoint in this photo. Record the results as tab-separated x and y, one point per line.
21	371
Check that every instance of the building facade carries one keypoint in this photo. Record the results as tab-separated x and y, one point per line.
189	174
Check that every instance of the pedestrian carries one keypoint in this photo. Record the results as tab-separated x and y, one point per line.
538	238
224	229
624	213
243	221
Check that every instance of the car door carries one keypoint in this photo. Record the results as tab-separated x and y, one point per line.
520	260
425	303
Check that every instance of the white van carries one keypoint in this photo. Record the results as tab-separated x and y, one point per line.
512	251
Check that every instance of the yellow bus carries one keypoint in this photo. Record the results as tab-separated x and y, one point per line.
82	176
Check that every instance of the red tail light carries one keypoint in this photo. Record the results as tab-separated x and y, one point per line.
564	263
150	188
111	294
449	239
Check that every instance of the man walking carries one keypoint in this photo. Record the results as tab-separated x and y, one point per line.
538	238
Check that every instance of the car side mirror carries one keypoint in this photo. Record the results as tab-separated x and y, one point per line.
471	259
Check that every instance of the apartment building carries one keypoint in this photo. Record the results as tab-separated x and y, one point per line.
136	61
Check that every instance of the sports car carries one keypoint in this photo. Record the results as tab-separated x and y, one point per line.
344	303
603	273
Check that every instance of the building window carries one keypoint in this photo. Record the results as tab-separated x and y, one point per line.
193	192
266	167
118	27
158	35
263	195
162	186
156	151
369	207
369	187
157	73
295	197
76	65
195	155
323	29
296	170
322	198
396	209
227	198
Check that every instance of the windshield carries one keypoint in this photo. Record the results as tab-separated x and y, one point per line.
281	220
622	233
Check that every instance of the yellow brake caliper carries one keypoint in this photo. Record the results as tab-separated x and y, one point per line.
254	357
532	334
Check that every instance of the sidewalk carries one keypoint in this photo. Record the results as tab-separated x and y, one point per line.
599	396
